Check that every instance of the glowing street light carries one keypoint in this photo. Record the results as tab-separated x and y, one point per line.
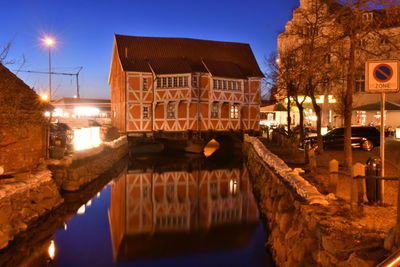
44	97
49	42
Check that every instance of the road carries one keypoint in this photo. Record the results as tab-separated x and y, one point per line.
392	163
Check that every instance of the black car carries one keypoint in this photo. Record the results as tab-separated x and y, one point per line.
364	137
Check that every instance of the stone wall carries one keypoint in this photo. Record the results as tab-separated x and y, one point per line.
305	227
23	200
82	167
22	146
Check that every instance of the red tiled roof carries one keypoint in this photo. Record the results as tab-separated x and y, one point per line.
184	55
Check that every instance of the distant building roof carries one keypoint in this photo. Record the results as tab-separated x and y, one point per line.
275	107
184	55
377	106
71	102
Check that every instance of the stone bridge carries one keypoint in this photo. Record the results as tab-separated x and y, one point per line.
188	141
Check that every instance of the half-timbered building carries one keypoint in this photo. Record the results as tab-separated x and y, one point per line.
181	84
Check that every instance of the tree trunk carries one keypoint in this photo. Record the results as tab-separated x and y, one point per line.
301	119
317	110
348	157
289	120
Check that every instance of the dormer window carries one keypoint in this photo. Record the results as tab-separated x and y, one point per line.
368	16
144	84
195	81
172	82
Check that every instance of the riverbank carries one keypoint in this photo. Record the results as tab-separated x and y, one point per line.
307	228
74	171
23	199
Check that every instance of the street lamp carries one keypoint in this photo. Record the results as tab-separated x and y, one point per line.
49	42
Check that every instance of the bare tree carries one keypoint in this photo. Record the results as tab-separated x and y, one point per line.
356	21
312	41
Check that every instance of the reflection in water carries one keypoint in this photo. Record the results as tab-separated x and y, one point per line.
210	148
158	211
81	210
52	250
148	208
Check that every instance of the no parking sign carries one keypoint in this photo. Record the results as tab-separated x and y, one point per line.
382	76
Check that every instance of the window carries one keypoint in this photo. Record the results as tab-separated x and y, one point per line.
195	81
368	16
171	110
170	192
214	110
384	41
172	82
145	192
144	84
234	114
360	83
239	86
327	58
145	114
227	85
362	43
312	4
213	190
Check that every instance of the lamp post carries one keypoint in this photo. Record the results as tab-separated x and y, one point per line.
49	42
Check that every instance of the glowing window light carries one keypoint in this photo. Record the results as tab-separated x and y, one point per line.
324	130
86	138
86	111
397	132
52	250
58	112
89	203
233	186
47	114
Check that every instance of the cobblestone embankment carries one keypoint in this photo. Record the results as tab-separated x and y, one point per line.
23	200
306	228
80	168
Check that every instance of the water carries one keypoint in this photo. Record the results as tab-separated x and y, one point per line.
152	211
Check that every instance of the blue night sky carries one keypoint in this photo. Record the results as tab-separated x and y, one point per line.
84	33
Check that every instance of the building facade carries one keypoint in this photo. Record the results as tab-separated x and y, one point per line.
179	84
378	42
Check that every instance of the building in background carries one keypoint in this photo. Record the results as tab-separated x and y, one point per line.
374	45
180	84
71	108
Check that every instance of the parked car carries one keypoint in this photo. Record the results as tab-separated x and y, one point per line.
364	137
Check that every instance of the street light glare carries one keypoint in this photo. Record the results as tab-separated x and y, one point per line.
48	41
44	97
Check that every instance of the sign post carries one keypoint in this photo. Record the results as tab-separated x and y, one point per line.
382	76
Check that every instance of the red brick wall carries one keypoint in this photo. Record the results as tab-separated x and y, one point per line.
22	146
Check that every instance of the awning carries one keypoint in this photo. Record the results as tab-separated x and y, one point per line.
377	106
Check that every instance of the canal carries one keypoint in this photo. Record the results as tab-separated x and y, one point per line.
166	210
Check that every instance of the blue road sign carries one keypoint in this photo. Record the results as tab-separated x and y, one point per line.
383	73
